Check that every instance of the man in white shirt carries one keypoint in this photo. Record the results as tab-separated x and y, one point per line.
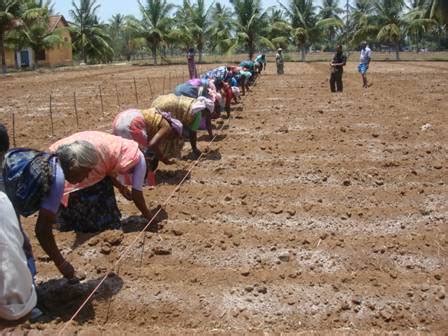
17	293
364	61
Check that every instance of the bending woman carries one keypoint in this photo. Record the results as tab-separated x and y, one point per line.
34	182
153	130
188	111
90	205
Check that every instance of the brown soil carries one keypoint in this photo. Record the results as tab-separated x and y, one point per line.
313	212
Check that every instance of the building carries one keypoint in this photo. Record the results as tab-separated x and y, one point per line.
57	56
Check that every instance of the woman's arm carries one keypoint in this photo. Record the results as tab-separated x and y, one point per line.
44	234
164	132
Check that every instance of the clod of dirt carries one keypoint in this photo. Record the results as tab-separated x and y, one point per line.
284	256
262	290
114	238
283	129
291	212
386	313
249	289
245	271
346	183
228	198
93	241
177	232
277	211
105	249
160	250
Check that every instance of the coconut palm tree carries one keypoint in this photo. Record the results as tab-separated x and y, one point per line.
361	22
221	28
330	10
302	20
439	11
417	21
390	22
250	24
154	25
279	29
198	24
88	34
9	11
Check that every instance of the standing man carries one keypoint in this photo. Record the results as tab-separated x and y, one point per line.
337	67
193	72
364	61
279	61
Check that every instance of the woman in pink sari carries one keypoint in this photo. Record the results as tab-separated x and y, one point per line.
90	205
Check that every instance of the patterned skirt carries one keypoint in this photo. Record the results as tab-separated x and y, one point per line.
92	209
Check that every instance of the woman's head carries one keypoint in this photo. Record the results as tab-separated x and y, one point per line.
77	159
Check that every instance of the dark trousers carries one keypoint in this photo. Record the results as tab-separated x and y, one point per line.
336	81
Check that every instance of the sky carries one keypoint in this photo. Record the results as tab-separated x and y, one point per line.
125	7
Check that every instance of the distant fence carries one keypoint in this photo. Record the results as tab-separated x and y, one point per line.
39	117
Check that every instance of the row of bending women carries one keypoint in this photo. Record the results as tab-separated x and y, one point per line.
80	171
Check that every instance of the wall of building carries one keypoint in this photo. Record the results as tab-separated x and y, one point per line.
60	54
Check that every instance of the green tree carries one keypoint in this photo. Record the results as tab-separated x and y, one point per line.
9	11
279	30
417	22
90	37
33	31
251	25
155	24
303	22
389	14
330	12
122	34
362	23
221	28
439	11
199	24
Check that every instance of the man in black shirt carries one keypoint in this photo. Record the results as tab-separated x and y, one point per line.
337	65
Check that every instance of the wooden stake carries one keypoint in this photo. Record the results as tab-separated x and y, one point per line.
163	90
169	81
135	89
51	114
76	109
150	88
118	97
101	98
13	117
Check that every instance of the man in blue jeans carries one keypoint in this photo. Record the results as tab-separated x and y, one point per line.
364	61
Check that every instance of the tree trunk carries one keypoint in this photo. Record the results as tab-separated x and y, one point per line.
154	54
397	51
3	51
302	52
200	51
251	50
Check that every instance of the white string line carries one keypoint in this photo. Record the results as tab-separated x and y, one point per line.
124	253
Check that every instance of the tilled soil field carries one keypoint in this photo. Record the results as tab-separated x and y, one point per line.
311	212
